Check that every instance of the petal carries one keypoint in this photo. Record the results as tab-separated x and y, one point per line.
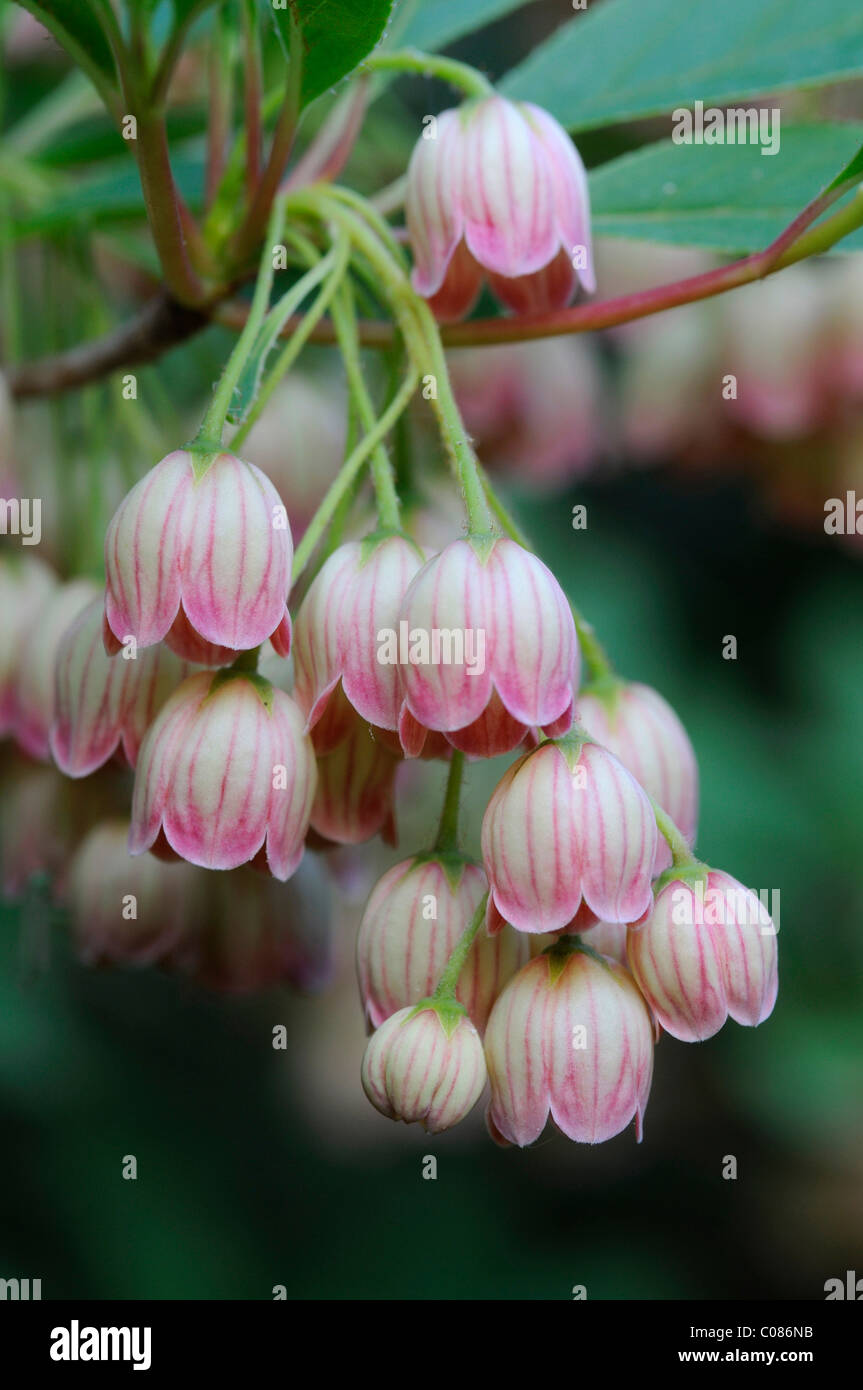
372	608
514	1051
533	647
615	831
509	220
528	844
570	190
218	799
433	202
446	684
551	287
143	552
320	637
748	949
157	760
236	562
675	960
292	791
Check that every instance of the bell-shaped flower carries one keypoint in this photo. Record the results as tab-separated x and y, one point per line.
225	774
199	559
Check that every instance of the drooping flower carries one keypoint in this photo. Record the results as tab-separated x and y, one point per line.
44	817
643	731
35	691
25	585
707	950
260	933
202	562
487	649
224	773
128	911
570	1037
499	192
411	923
566	825
341	630
425	1063
103	704
356	788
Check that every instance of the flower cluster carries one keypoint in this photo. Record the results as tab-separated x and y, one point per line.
546	967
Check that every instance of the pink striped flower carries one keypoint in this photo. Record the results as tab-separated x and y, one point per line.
26	583
199	559
568	824
35	692
130	911
569	1037
643	731
356	596
499	192
425	1063
259	933
412	921
487	649
706	951
105	704
356	789
225	773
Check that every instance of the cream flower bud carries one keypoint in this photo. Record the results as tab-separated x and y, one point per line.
566	825
425	1063
224	773
707	950
201	560
570	1037
410	926
643	731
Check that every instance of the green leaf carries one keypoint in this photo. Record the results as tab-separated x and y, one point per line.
336	36
634	58
115	196
75	25
727	198
434	25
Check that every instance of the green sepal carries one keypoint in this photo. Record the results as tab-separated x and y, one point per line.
203	453
449	1011
571	745
451	861
262	687
559	952
482	543
370	543
687	874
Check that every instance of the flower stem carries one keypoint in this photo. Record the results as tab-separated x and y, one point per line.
344	318
681	854
467	79
350	469
421	335
213	422
297	341
448	982
599	665
447	836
